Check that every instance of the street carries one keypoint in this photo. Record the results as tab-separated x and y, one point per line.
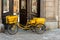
28	35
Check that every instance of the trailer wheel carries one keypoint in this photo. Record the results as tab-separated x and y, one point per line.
12	29
32	28
40	29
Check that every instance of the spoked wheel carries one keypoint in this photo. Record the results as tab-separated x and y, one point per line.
33	28
12	29
40	28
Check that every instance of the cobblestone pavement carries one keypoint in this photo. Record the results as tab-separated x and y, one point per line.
28	35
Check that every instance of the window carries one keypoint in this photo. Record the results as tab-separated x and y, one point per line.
34	6
23	4
5	6
16	6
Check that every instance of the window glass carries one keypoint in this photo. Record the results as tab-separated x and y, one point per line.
23	4
5	6
16	6
34	6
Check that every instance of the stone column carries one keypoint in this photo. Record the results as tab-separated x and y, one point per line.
59	13
51	14
42	8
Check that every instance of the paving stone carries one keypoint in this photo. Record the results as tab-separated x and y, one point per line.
28	35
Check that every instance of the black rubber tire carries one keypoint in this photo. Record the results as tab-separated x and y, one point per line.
40	30
11	32
32	28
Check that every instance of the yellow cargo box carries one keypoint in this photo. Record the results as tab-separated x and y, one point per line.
40	20
11	19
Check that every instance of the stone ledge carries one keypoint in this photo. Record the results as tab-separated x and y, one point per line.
51	25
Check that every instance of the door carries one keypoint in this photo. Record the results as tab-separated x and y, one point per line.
23	12
35	10
7	9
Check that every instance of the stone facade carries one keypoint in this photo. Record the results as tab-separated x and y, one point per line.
51	12
50	9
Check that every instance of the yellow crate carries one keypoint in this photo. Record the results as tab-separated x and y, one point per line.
11	19
32	21
39	20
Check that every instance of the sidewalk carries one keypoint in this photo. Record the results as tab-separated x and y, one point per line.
28	35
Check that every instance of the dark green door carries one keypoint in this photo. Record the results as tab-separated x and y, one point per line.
7	9
23	12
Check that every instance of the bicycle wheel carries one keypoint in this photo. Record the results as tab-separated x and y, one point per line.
40	28
12	29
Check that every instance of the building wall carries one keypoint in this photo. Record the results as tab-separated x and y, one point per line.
50	12
42	9
59	12
50	9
